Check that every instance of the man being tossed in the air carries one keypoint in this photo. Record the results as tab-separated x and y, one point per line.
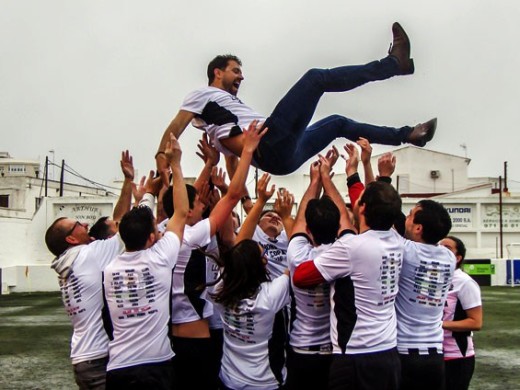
290	142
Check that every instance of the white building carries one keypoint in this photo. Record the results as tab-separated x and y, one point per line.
25	214
25	211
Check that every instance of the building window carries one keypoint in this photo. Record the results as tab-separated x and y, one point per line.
4	201
16	169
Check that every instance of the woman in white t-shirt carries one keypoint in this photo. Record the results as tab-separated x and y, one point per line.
462	315
251	306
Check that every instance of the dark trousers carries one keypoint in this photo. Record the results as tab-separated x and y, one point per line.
459	373
91	375
307	371
366	371
194	363
157	376
290	140
425	372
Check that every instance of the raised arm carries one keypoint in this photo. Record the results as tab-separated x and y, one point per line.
366	153
283	205
173	155
218	178
355	187
176	127
231	167
125	197
386	166
252	137
311	193
332	192
264	194
210	156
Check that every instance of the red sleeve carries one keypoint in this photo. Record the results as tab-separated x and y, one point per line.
354	191
307	275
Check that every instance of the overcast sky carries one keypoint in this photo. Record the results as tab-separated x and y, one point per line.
90	78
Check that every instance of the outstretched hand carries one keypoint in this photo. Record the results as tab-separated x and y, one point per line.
173	150
252	136
127	165
264	194
138	190
332	156
325	167
386	164
315	172
353	159
366	150
207	152
283	204
218	178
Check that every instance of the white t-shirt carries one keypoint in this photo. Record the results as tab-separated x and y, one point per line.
247	330
311	323
464	292
423	286
219	114
276	251
137	290
364	274
83	298
188	302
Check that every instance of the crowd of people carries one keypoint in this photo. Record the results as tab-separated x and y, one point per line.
176	293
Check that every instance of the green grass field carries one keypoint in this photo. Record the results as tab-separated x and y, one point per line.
35	334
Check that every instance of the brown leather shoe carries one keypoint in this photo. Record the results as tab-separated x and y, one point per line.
422	133
400	49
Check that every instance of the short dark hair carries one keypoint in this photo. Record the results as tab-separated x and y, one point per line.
55	238
435	220
136	226
322	217
100	230
220	62
400	224
460	248
264	212
168	199
382	205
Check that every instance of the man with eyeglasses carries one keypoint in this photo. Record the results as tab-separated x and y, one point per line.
79	262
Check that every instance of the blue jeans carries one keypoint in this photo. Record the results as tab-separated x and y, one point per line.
290	140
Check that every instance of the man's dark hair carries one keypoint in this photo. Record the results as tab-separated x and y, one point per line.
322	217
399	224
168	199
55	238
220	62
382	205
100	230
264	212
136	226
435	220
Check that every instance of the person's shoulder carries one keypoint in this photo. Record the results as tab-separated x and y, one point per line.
207	91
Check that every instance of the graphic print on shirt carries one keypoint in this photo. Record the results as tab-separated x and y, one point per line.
274	253
71	293
390	266
319	295
431	283
136	287
240	326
